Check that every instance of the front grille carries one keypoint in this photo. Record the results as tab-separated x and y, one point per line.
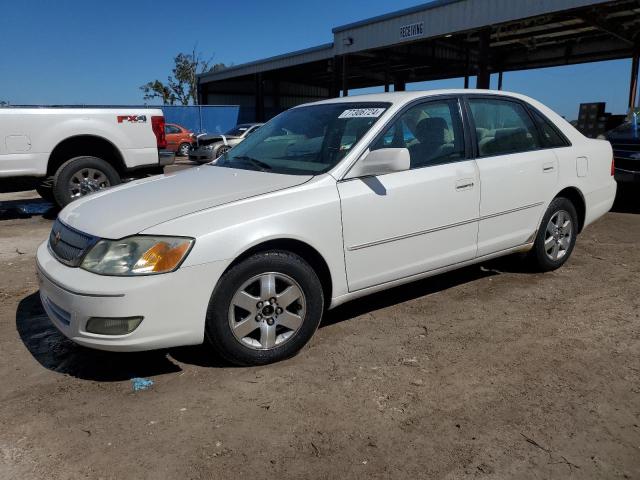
69	245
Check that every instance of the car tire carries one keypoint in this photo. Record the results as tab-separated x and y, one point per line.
556	236
264	309
222	150
45	189
68	181
183	149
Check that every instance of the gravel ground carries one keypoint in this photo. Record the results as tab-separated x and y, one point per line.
488	372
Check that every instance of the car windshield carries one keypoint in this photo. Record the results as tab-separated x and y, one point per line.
305	140
238	130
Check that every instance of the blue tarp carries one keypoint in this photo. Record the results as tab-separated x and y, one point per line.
203	118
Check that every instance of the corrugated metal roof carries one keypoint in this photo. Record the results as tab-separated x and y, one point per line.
397	13
297	57
443	17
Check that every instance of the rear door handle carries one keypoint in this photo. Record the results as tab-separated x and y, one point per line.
548	167
464	184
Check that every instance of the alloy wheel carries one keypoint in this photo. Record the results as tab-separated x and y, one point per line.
87	180
267	310
558	235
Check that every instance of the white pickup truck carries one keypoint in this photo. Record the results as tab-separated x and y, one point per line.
76	151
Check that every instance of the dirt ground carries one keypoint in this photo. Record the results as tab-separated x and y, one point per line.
487	372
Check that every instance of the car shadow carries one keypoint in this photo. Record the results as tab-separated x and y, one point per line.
407	292
627	199
27	208
57	353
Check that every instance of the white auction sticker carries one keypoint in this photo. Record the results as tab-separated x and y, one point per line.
362	113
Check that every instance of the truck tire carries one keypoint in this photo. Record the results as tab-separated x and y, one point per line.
81	176
45	189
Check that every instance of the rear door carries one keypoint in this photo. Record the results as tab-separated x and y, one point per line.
406	223
518	174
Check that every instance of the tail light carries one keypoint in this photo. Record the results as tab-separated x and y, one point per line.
157	125
613	166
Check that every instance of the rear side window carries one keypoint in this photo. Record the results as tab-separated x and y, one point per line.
502	127
550	136
431	131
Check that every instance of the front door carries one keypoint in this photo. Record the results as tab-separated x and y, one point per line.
405	223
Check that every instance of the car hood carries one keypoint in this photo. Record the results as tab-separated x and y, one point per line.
135	206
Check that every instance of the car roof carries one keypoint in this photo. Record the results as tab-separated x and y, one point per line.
406	96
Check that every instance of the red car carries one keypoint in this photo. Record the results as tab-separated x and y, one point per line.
178	139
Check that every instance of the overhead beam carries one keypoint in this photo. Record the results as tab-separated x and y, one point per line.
604	25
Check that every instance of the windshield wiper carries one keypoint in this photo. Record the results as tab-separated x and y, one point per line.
264	167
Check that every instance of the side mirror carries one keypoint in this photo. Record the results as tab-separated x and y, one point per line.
379	162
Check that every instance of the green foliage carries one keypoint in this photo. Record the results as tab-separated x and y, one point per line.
181	85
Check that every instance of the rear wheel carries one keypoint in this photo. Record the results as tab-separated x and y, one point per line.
81	176
556	236
264	309
183	149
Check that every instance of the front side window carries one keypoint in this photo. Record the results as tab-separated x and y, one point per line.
171	129
306	140
432	132
502	127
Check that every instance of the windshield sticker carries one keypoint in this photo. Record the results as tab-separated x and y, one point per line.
362	113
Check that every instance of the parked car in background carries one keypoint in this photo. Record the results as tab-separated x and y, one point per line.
209	147
361	194
625	141
179	139
77	151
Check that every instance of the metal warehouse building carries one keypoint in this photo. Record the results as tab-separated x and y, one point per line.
437	40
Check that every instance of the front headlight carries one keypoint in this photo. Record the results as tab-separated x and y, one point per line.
139	255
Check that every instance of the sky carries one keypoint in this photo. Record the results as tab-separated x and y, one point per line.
100	52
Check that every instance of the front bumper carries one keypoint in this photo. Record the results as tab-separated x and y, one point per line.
202	154
173	305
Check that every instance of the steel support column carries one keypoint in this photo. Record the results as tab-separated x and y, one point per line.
399	84
633	84
345	77
484	75
499	80
259	98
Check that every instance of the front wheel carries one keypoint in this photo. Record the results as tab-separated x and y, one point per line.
556	236
222	150
264	309
81	176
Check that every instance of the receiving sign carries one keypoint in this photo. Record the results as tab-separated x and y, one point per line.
412	30
362	113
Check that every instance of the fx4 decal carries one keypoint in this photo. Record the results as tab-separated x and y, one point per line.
132	118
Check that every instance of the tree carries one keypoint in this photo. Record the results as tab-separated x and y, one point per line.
181	87
4	103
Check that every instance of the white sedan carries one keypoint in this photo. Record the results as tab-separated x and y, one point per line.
362	194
